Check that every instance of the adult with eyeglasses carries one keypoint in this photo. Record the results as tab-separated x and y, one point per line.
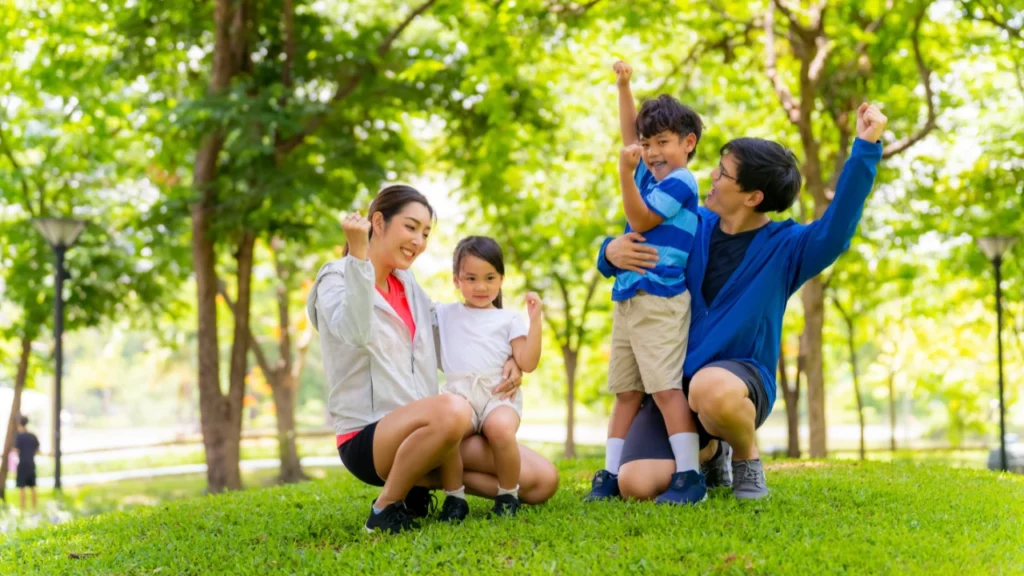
741	272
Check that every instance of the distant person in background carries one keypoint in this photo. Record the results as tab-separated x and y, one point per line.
26	445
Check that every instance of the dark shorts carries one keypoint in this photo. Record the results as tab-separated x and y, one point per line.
25	478
647	438
357	456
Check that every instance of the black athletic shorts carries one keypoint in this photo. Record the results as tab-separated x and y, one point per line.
647	438
26	478
357	456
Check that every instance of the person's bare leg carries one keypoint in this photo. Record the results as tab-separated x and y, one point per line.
645	479
35	501
500	431
624	410
538	477
22	492
415	439
676	411
721	401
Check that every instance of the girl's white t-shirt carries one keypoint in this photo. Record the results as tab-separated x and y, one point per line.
475	340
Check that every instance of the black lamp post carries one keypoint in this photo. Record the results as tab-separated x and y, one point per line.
61	233
994	247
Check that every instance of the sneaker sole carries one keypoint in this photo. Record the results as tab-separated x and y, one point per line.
656	501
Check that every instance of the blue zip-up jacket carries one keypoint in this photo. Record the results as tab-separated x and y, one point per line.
744	322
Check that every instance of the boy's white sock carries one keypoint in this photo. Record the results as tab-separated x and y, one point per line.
460	493
513	491
686	450
613	454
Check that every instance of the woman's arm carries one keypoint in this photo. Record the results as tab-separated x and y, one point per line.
344	297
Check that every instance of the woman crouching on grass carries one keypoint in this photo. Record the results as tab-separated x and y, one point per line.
376	334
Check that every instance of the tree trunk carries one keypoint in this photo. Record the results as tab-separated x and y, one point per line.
892	411
239	353
852	344
285	391
12	422
814	318
570	356
791	395
215	410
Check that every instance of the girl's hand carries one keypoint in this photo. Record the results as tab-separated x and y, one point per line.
511	380
623	72
357	235
534	306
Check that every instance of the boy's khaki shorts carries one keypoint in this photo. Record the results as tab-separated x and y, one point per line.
649	335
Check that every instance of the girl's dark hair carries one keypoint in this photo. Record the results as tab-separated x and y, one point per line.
483	248
391	201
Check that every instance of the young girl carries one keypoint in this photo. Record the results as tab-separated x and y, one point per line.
477	337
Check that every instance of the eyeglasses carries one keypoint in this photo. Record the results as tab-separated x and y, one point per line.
723	174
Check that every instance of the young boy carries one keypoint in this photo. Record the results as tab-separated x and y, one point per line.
651	319
26	444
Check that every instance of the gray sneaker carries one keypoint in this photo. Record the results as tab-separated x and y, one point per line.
718	471
748	480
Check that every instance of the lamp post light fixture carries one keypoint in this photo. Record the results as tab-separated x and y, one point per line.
61	233
994	247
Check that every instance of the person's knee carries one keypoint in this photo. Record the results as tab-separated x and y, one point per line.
455	415
636	486
712	395
500	431
630	398
543	482
668	396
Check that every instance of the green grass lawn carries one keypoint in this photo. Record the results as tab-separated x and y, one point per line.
822	518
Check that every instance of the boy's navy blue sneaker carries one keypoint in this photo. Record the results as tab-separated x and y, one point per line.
686	488
605	485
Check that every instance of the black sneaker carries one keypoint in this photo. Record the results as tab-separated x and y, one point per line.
420	502
454	509
505	505
394	519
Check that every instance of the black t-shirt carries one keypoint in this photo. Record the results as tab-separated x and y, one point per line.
725	254
27	445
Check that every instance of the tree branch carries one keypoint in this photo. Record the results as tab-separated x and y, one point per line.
988	16
842	122
567	312
581	329
904	143
21	174
261	358
345	89
818	64
788	13
284	323
789	104
872	28
695	52
289	42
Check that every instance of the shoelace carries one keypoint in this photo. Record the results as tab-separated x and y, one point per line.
431	503
749	473
399	515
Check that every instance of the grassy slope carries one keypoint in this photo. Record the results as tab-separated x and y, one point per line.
821	518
